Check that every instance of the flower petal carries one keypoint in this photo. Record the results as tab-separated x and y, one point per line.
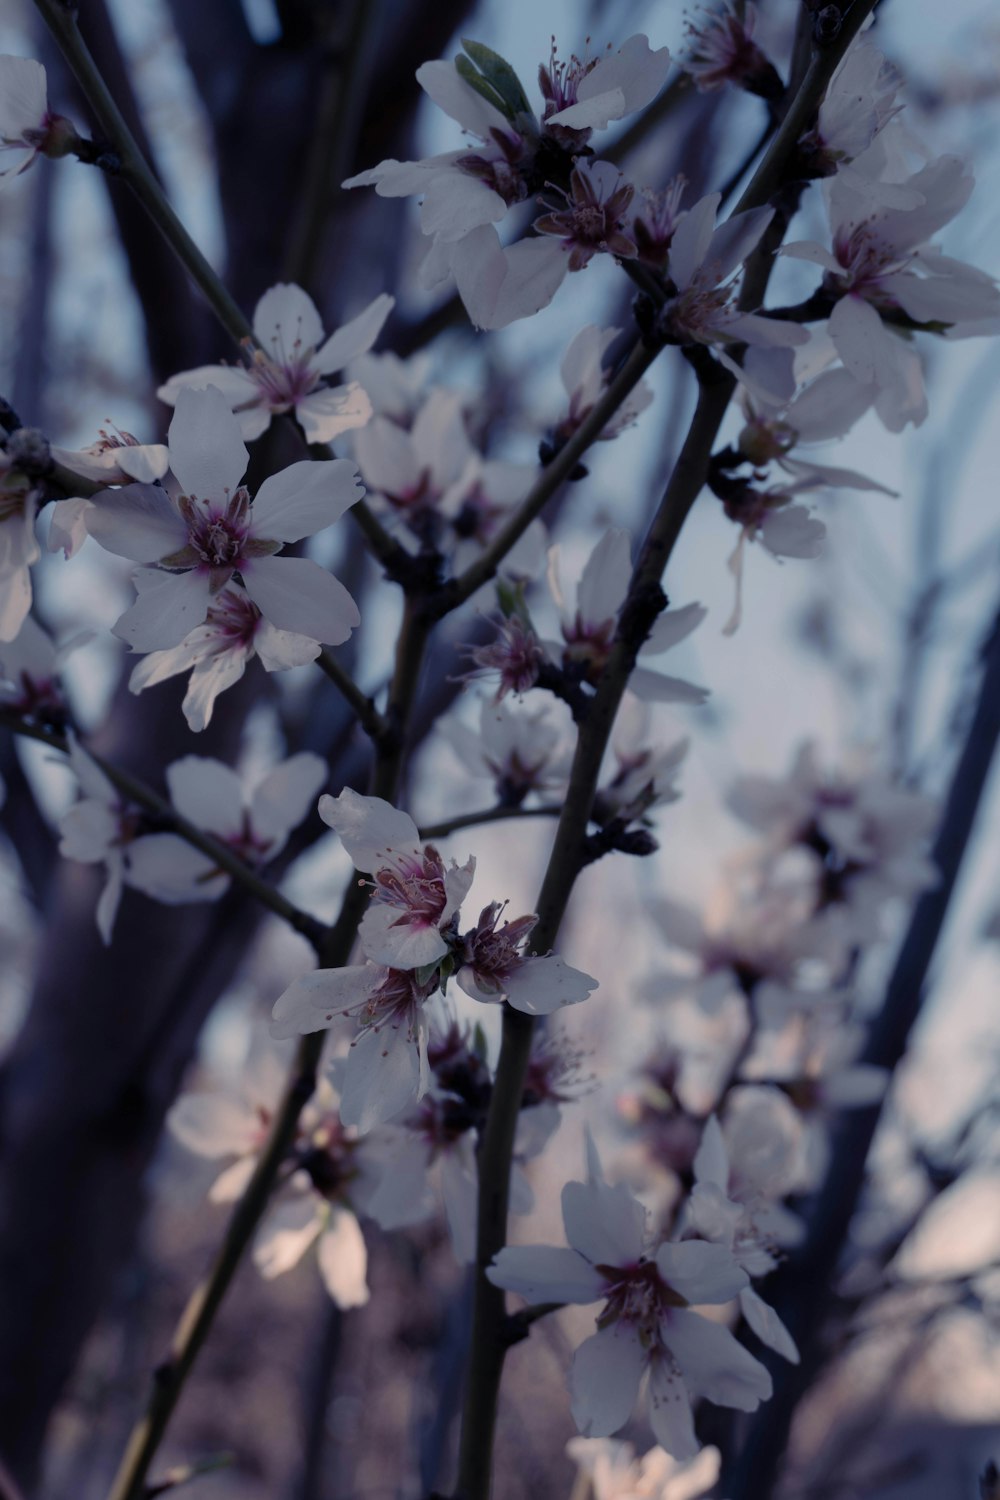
286	323
168	608
207	793
371	830
310	1003
606	1223
138	522
282	799
285	1236
356	337
714	1363
207	454
343	1259
604	1379
304	498
546	1273
324	414
296	594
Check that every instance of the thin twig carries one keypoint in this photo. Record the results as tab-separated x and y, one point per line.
219	853
133	167
368	716
486	815
335	951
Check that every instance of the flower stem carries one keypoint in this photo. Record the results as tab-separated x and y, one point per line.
487	815
133	167
368	716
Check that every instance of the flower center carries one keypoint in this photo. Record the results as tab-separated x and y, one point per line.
415	883
638	1295
217	537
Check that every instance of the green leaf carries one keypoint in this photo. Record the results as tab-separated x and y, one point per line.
501	78
476	81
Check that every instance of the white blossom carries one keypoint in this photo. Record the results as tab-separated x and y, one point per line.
207	532
289	370
647	1328
615	1473
254	826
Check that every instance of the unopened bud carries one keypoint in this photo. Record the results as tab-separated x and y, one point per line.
60	137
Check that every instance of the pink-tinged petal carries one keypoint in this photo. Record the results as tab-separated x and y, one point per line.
459	1193
23	96
296	594
325	414
829	407
714	1364
733	241
499	286
673	626
15	601
88	830
657	687
399	1194
944	299
457	884
233	1182
93	782
139	522
635	69
691	240
286	323
711	1163
283	798
285	1236
792	532
211	1125
455	204
605	1223
541	985
210	678
862	341
279	650
768	1327
814	253
670	1414
207	453
387	457
545	1273
371	830
143	461
441	81
312	1002
604	1379
68	526
440	439
207	793
592	114
402	179
168	608
356	337
383	1077
304	498
766	333
700	1272
110	899
399	945
235	383
605	578
343	1259
168	869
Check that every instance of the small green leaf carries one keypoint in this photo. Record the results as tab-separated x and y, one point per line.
500	76
426	971
480	1046
476	81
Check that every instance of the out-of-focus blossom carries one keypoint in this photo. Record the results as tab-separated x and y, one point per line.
115	458
522	750
211	796
18	546
882	265
98	829
585	378
615	1473
721	50
29	673
647	1327
210	530
288	371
